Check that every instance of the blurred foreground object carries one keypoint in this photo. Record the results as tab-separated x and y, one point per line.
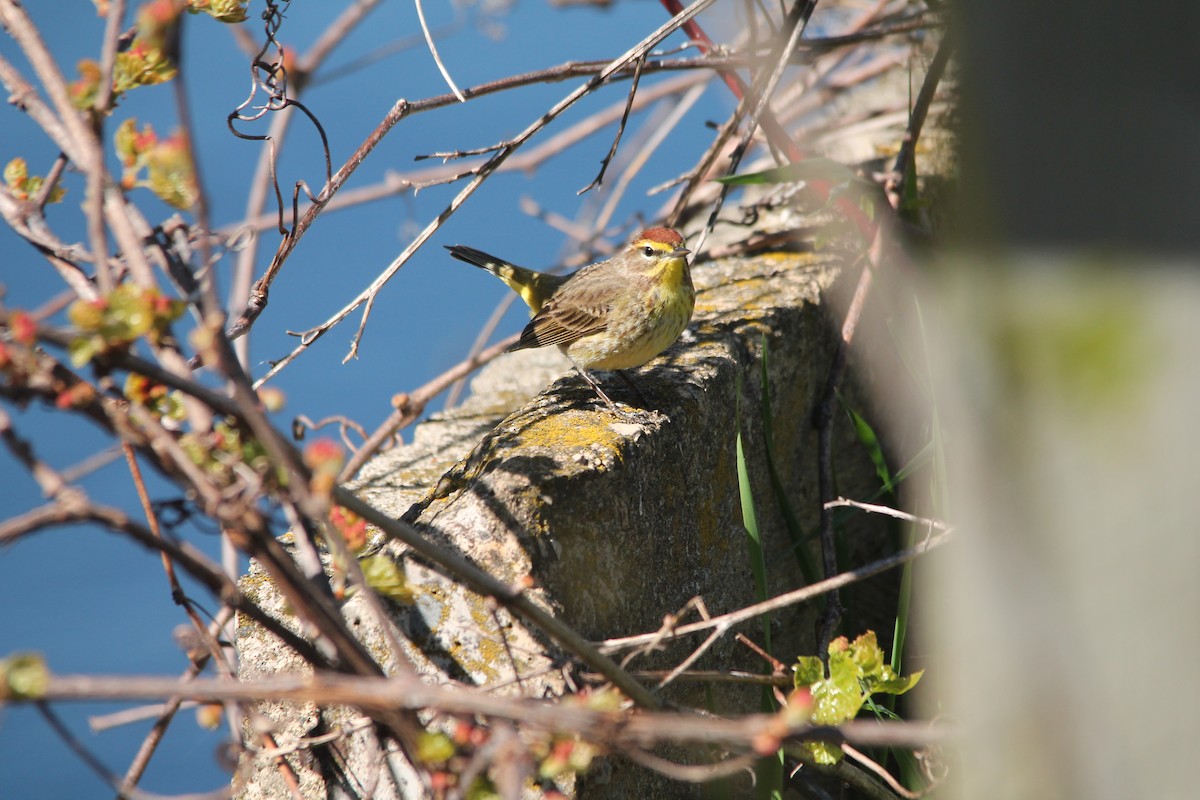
1067	379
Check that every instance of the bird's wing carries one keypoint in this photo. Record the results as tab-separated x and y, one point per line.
578	309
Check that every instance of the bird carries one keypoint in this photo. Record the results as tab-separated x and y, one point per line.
615	314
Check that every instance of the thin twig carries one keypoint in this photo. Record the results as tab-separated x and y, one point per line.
85	147
702	676
774	131
412	405
883	774
165	713
692	773
108	56
760	93
334	34
112	779
782	601
50	182
659	132
400	183
433	51
612	151
240	296
873	508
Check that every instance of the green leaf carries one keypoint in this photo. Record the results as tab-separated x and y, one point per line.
895	684
16	172
385	576
865	653
808	670
868	439
758	564
810	169
227	11
130	315
837	698
482	789
823	753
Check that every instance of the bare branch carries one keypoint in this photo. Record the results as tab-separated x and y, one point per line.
908	147
643	729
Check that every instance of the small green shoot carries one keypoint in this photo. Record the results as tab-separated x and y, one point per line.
23	676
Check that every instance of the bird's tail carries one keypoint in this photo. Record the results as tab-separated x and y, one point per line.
535	288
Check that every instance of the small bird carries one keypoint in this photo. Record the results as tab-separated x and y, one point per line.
615	314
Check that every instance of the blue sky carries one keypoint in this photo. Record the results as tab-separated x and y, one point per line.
93	602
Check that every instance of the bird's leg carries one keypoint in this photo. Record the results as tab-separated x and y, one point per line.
636	389
592	382
625	415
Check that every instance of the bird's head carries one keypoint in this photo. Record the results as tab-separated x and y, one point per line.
655	248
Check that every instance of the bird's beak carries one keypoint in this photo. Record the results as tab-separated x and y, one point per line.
679	252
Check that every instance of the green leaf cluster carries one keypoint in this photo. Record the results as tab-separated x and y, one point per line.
155	397
857	670
116	320
228	11
226	450
148	59
25	186
166	162
143	64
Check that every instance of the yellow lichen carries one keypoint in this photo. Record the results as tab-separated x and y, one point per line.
571	430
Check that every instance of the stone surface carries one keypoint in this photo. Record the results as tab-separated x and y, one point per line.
615	522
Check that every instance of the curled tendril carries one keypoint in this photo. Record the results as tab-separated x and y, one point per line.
269	77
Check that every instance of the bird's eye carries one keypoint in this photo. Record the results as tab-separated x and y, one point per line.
648	251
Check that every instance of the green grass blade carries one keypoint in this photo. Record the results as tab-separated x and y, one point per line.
769	770
758	563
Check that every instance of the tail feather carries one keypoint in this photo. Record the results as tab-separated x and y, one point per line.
535	288
476	257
